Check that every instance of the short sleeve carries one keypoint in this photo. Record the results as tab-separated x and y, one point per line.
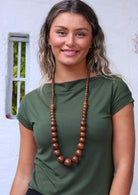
23	113
121	95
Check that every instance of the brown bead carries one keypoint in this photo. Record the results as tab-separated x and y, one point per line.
57	152
52	115
83	119
60	159
80	146
53	128
83	123
54	139
84	108
54	134
82	128
75	159
52	106
55	146
53	123
83	115
52	119
86	94
85	104
68	162
82	134
82	139
84	112
52	112
79	152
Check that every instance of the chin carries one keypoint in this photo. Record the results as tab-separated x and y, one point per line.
69	64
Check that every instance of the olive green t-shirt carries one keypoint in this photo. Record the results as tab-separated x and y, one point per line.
95	171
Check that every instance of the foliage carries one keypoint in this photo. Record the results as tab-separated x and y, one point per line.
18	73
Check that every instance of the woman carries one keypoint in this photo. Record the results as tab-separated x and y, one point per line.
77	130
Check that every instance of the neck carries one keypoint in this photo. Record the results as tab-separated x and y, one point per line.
67	73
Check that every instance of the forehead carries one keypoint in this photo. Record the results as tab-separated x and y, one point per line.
68	19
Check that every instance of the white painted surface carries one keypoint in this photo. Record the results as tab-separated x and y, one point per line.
119	20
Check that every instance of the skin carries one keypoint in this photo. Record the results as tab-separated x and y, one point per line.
25	164
70	39
123	150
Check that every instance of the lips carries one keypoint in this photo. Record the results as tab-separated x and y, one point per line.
69	52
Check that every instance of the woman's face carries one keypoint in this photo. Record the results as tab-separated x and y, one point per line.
70	38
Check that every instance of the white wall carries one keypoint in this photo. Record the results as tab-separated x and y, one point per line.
119	20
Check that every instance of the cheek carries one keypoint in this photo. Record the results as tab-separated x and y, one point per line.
86	44
56	41
86	48
56	45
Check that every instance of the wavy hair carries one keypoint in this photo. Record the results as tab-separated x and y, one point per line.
96	57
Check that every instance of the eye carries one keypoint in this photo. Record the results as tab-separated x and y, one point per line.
61	33
80	35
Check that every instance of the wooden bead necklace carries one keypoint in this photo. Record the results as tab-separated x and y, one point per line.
80	146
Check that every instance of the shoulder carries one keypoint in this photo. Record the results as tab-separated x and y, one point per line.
35	98
27	108
116	85
34	94
113	81
108	84
117	81
121	94
119	85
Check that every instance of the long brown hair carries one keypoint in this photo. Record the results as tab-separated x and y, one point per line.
96	57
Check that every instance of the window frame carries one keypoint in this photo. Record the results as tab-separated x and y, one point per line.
16	37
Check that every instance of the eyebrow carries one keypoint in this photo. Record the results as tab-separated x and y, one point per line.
82	28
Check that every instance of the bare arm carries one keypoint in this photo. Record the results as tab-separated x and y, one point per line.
123	150
26	162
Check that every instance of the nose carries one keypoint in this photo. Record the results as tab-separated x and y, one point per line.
70	41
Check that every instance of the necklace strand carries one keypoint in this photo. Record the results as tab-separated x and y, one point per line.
80	146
